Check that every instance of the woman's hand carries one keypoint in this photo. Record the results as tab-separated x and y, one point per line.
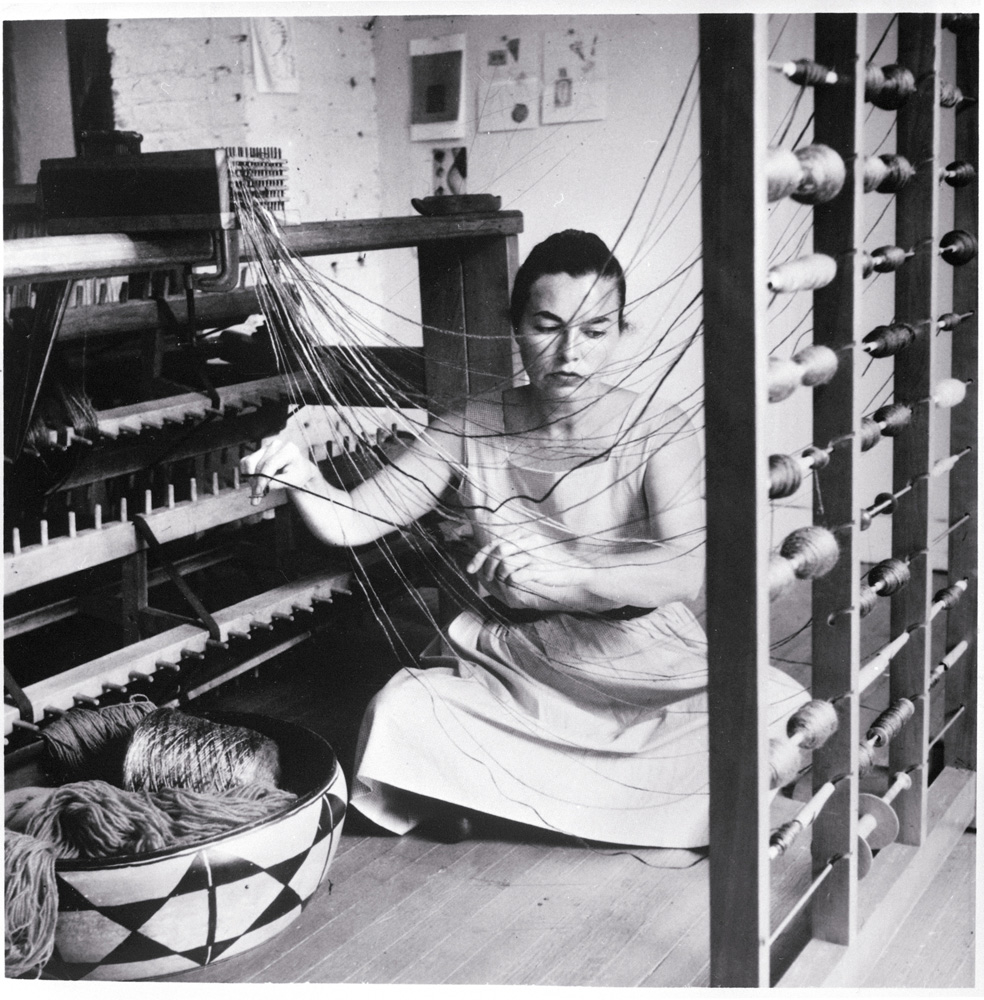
278	464
553	579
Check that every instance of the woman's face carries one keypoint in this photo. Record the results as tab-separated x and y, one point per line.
568	332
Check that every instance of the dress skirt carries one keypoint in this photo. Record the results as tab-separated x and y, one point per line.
576	723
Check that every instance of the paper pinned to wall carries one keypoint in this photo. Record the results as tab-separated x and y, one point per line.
575	76
510	98
437	88
274	61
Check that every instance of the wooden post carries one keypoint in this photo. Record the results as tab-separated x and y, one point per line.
467	338
961	688
917	228
733	53
839	226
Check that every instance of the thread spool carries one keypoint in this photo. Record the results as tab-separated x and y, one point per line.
883	260
819	458
815	270
958	247
959	173
885	503
887	173
805	554
169	749
870	433
819	364
889	576
784	377
950	94
950	596
823	174
785	763
807	73
951	320
887	421
884	341
785	476
867	600
888	87
783	172
949	392
889	724
811	725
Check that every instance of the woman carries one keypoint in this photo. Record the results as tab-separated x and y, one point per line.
573	697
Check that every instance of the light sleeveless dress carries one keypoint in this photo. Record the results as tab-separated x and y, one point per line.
580	723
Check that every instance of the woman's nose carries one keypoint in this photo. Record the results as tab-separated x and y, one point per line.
569	345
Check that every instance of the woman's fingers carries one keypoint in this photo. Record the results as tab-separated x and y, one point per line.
498	561
278	463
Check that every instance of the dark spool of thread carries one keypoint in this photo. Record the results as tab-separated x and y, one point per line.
889	576
883	260
889	87
887	173
890	339
785	476
823	174
889	724
893	418
812	550
949	597
959	173
885	503
958	247
812	724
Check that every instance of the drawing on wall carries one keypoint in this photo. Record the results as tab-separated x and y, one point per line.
575	83
508	97
274	62
437	88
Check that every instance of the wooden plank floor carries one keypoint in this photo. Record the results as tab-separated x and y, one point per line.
519	906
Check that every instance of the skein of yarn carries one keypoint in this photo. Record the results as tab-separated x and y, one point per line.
823	174
91	743
30	904
169	749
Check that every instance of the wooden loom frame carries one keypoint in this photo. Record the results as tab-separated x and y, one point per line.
847	918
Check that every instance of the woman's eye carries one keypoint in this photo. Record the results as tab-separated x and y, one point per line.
594	332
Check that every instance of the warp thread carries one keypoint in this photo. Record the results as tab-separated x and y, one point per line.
169	749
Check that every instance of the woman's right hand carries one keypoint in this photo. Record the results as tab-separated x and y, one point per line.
279	464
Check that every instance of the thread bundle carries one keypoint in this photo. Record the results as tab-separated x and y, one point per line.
959	173
885	579
189	780
958	247
883	260
889	87
808	728
887	173
786	471
806	554
887	421
815	270
884	341
808	73
882	731
814	365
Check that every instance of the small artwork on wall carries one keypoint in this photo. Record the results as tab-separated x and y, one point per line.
508	95
575	84
437	88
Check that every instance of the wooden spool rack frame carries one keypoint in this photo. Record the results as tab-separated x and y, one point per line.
848	919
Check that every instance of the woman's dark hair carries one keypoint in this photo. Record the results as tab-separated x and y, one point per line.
570	252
